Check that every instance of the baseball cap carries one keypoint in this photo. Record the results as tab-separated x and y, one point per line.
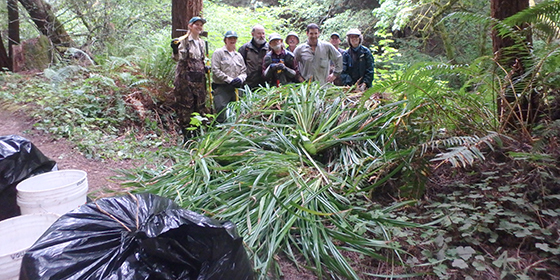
195	19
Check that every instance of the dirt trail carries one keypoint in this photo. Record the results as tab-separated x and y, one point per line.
99	172
64	153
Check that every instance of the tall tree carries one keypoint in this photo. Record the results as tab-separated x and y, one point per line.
512	57
181	12
4	60
502	9
13	29
47	23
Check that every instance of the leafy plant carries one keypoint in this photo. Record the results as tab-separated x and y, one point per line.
283	174
86	106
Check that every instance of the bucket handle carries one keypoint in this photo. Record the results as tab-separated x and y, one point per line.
117	220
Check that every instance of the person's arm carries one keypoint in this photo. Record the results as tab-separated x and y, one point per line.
335	57
368	76
291	67
243	52
345	75
243	75
267	67
182	48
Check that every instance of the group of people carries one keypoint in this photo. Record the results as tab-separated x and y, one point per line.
260	62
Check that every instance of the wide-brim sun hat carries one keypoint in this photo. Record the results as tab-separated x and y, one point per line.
354	31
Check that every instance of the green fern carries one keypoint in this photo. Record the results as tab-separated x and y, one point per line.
544	17
466	150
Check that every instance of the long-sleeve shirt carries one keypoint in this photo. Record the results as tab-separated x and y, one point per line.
315	65
253	56
227	66
191	48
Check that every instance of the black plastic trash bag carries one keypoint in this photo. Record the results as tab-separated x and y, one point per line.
19	160
140	236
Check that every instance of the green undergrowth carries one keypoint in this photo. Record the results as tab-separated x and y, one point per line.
346	185
295	168
108	114
500	220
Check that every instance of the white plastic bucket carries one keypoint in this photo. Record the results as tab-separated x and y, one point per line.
53	192
17	235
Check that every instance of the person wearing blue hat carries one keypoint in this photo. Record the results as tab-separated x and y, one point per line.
335	41
228	74
190	74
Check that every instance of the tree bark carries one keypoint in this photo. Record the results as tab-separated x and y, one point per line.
13	29
502	9
4	60
41	13
517	108
181	12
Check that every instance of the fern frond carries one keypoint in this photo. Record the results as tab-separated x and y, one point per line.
466	150
547	135
470	17
57	76
141	82
545	18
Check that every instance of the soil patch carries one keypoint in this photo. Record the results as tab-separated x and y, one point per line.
64	153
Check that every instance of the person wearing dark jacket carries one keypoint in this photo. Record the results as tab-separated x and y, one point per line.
279	66
253	53
357	62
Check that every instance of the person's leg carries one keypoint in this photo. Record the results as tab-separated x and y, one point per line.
222	96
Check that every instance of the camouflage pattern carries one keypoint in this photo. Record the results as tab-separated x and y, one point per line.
190	90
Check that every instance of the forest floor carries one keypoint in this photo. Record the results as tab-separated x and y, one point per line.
444	184
99	172
65	153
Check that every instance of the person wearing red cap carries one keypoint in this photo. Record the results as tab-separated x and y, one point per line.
190	74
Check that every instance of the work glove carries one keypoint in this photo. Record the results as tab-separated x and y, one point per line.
207	69
273	66
236	83
281	66
175	45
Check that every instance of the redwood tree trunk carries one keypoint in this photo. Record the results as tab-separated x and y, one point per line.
514	110
181	12
41	13
13	30
4	60
501	9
